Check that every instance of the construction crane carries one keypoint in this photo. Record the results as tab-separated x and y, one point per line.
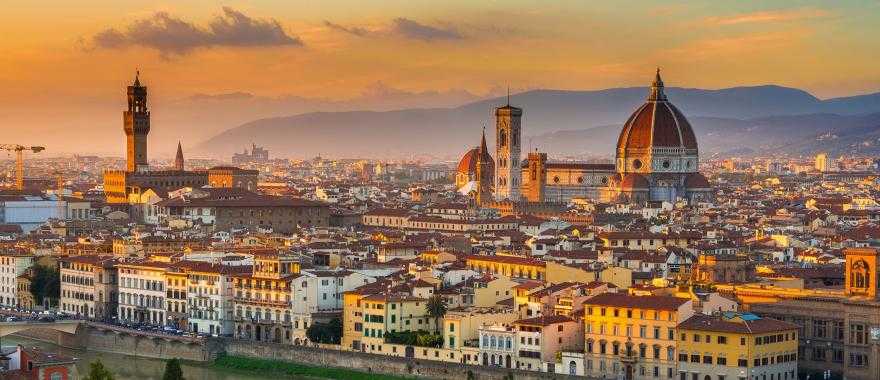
19	160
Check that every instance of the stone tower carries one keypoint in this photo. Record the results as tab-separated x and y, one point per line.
178	159
537	172
508	174
137	126
482	174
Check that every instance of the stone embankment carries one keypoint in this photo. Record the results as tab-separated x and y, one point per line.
106	338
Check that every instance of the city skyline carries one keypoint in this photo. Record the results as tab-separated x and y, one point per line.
274	57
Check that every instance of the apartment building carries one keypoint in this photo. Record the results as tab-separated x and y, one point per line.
142	292
12	265
632	336
89	286
737	346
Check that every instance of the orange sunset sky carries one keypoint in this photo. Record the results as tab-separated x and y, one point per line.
64	65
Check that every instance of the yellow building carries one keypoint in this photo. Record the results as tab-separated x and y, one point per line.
372	310
632	336
736	346
461	327
487	292
510	266
390	313
262	300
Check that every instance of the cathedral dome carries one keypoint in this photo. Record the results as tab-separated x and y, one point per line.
656	124
468	163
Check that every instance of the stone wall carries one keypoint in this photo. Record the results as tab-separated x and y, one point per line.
73	341
381	363
127	344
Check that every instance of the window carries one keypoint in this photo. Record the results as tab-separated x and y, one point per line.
858	360
722	339
858	334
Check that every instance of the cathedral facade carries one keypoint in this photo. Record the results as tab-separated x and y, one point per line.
656	159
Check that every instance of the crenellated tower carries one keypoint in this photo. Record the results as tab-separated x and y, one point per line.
136	121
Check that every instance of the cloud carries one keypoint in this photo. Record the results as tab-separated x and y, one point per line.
171	35
401	27
739	46
415	30
355	30
767	16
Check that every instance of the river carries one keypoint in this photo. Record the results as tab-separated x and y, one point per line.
135	368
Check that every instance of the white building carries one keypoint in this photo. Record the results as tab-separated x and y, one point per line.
88	286
498	345
209	296
11	266
142	292
320	291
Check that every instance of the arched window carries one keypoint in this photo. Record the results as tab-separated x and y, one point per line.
860	275
502	138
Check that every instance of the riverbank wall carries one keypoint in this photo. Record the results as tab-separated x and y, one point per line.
105	340
102	339
383	364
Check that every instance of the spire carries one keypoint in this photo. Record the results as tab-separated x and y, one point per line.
656	93
137	79
483	148
178	160
508	96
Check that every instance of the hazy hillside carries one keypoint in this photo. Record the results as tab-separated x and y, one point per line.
796	134
727	119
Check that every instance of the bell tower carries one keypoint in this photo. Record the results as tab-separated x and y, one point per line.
508	174
861	272
136	121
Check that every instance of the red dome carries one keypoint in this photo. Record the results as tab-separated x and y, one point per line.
657	124
468	163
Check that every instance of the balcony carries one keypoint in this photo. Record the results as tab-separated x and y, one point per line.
263	302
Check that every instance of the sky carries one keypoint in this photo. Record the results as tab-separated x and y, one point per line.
64	65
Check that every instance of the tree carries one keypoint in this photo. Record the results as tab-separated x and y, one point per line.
97	371
330	332
173	370
436	308
46	283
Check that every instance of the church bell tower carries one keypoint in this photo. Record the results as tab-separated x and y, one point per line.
508	174
136	120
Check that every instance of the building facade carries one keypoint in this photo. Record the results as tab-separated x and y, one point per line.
12	265
89	286
736	346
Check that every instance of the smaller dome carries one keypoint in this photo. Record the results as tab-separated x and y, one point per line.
697	181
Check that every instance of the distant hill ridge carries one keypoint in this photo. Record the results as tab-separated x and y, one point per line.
572	123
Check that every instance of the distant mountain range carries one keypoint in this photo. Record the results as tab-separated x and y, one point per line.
737	120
